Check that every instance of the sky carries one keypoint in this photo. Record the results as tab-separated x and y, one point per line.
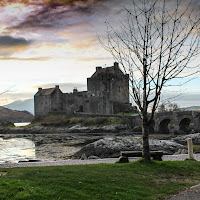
44	43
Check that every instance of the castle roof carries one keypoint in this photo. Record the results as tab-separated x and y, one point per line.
45	92
107	70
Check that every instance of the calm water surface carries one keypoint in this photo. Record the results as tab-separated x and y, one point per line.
22	124
16	149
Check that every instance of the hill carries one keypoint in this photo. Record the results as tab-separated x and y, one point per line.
27	105
14	116
195	108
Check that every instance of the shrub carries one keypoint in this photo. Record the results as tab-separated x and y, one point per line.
7	124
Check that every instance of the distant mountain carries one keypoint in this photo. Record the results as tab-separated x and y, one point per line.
195	108
14	116
27	105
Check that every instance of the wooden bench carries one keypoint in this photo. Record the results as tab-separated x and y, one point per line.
157	155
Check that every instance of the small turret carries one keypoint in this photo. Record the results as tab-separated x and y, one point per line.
98	68
75	90
116	65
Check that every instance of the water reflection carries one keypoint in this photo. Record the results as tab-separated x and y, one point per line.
16	149
20	124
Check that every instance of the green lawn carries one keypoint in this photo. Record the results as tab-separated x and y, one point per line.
135	180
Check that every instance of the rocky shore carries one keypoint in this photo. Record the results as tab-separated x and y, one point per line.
53	143
63	143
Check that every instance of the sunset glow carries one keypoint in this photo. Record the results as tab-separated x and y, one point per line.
46	42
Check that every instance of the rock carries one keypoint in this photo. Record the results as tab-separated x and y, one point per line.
107	129
183	139
93	157
137	129
181	151
123	159
78	129
114	128
111	146
83	157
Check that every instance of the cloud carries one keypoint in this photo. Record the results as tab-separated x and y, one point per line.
26	59
182	99
8	41
93	59
10	45
63	13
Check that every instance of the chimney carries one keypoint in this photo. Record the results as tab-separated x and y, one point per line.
98	68
116	65
39	90
57	86
75	90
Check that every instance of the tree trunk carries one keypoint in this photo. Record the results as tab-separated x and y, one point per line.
145	138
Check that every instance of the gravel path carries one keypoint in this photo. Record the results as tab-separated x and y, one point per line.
192	193
179	157
91	161
62	162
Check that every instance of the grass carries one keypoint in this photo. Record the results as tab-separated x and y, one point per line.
196	148
67	121
135	180
127	114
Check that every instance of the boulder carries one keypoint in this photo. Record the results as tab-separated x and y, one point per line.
183	139
111	146
93	157
78	129
107	129
114	128
181	151
83	157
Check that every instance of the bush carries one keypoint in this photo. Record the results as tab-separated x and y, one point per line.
65	120
7	124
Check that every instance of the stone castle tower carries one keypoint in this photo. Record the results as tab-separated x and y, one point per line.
107	91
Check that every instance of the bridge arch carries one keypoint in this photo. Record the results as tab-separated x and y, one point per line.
184	124
164	126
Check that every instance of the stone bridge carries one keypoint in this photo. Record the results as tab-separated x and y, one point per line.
174	122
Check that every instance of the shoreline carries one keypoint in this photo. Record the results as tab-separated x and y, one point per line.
180	157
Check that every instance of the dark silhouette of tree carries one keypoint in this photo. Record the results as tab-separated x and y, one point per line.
162	108
173	107
156	43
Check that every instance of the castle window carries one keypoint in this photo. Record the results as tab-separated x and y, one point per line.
119	89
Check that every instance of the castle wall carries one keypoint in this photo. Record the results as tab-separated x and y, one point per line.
105	87
82	102
42	105
74	102
57	100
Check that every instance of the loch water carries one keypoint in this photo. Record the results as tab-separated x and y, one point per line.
16	149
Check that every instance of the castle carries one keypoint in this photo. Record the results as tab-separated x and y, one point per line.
107	92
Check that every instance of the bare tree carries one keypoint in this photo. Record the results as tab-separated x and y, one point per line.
7	90
173	107
156	43
162	107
